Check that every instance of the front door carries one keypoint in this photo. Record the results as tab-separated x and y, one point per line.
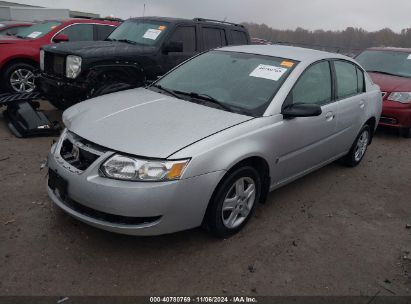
309	142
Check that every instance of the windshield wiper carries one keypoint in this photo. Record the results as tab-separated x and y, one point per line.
206	98
126	41
170	92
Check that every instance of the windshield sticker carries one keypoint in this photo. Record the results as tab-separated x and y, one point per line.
268	72
34	34
287	64
162	27
409	57
152	34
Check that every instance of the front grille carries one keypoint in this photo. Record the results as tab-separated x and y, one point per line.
107	217
388	120
54	64
79	152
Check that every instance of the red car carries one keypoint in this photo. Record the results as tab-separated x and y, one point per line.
390	68
12	27
20	55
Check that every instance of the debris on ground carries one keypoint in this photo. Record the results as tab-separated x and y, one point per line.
9	222
251	268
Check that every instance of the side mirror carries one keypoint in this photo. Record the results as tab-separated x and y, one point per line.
173	47
61	38
301	110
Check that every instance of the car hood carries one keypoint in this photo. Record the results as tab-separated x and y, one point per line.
99	49
390	83
4	39
145	123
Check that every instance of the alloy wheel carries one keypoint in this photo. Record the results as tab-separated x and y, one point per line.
362	145
238	202
22	81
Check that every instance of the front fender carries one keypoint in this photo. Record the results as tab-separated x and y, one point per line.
222	151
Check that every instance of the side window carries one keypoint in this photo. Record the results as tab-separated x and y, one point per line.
314	86
347	81
360	80
186	35
213	38
238	38
79	32
103	31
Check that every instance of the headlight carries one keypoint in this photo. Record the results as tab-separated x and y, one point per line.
403	97
42	60
73	66
133	169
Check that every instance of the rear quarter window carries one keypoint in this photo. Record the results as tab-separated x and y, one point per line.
103	31
238	38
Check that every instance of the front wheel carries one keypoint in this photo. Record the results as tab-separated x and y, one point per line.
19	78
233	202
359	148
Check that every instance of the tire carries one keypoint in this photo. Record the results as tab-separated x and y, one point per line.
18	78
238	208
406	132
359	148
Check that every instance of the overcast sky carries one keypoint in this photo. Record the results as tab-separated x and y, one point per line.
285	14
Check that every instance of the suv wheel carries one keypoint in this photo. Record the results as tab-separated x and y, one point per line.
233	202
359	148
19	78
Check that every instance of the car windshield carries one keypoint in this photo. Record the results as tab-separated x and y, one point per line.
145	32
38	30
386	62
244	83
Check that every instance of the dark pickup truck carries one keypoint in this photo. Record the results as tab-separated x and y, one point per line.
136	53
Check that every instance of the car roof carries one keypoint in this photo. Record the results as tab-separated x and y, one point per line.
288	52
82	20
195	20
391	49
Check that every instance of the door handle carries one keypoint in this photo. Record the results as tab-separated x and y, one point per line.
362	104
329	116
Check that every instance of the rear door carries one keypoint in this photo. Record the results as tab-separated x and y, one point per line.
187	35
350	96
309	142
213	37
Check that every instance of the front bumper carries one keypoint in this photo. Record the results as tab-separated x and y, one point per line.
61	89
158	207
395	114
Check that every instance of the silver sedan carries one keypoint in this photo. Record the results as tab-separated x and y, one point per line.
208	141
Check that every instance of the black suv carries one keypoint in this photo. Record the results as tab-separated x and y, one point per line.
136	53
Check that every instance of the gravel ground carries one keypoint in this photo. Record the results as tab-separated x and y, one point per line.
338	231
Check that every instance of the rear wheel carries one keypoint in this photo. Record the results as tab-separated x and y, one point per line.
19	78
234	202
359	148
